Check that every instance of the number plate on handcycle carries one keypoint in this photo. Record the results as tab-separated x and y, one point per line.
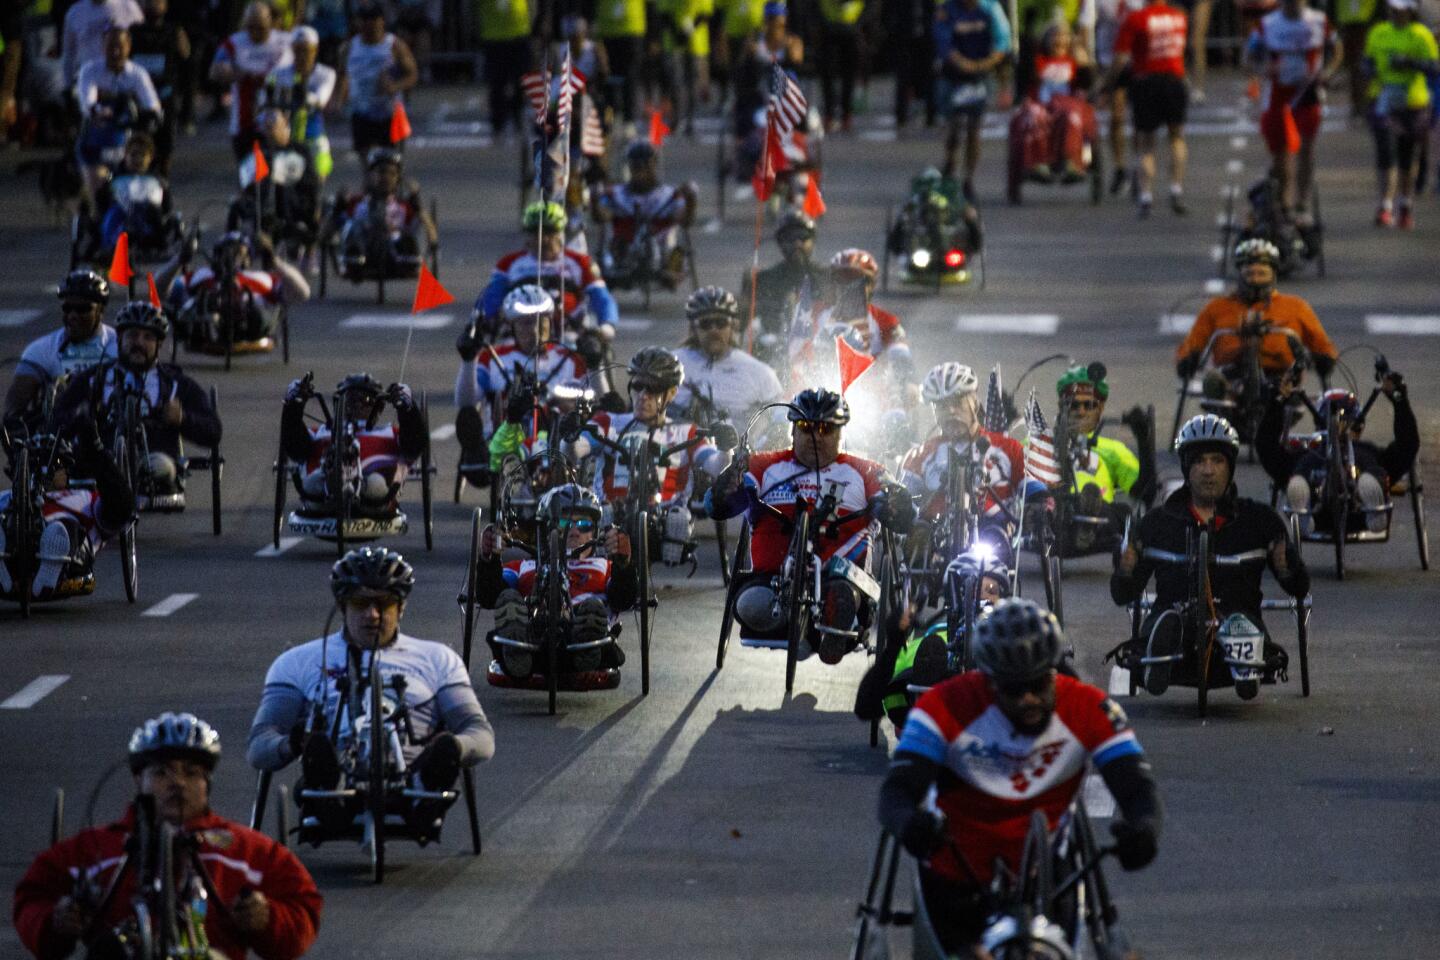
853	574
1244	646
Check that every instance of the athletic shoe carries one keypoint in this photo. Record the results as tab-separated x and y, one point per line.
1372	501
1177	204
1164	642
512	621
1384	218
589	621
54	554
838	612
1407	219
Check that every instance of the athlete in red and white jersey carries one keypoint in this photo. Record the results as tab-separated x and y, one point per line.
244	59
1002	742
612	480
642	200
1151	42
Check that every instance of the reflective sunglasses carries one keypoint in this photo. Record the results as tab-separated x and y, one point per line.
1084	405
654	390
583	524
360	604
818	427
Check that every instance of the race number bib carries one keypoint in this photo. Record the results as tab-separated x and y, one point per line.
969	94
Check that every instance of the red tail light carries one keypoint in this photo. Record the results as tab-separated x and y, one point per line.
954	259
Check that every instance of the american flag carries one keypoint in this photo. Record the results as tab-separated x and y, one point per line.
787	106
570	82
1040	462
995	404
536	87
592	134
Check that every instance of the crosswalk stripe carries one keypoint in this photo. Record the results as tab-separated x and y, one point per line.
397	321
1032	324
270	550
17	318
34	691
1238	143
443	432
1400	324
1235	166
170	604
1177	324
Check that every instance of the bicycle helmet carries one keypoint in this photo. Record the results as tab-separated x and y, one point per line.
1203	433
1079	378
793	222
640	151
1017	641
84	285
527	302
819	406
1257	250
229	245
854	260
551	214
171	736
143	315
973	564
379	156
372	568
1340	400
948	380
657	366
569	500
361	383
711	301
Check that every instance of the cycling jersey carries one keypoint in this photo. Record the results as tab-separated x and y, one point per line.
879	330
612	480
401	214
265	287
235	857
1282	310
98	84
661	208
736	385
588	577
496	368
379	448
303	98
1154	38
78	505
1053	75
253	62
1292	51
580	276
776	479
84	31
999	775
1108	464
54	355
924	467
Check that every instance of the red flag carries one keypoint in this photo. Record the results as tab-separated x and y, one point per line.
120	271
262	169
659	129
814	205
429	293
772	161
154	294
852	363
399	124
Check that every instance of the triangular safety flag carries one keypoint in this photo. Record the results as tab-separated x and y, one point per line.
262	169
399	124
429	293
659	130
154	294
120	271
814	205
772	161
852	363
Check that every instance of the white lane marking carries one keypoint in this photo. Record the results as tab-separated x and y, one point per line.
1235	166
878	136
1217	253
443	432
1033	324
17	318
1238	143
270	550
35	691
1098	801
1119	682
1214	285
1222	220
1401	324
635	323
712	225
397	321
169	605
1176	323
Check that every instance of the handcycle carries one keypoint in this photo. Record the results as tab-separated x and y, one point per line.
1016	174
1213	654
152	234
1242	400
382	262
1267	220
736	158
936	240
374	790
1340	500
339	516
1055	905
643	261
224	317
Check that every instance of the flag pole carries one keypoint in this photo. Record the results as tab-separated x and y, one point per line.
759	229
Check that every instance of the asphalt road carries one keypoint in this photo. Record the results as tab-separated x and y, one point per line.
718	818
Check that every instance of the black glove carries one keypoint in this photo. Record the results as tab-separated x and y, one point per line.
400	396
301	389
1323	364
924	833
518	405
297	740
468	343
612	402
731	479
1187	366
724	436
1135	843
897	510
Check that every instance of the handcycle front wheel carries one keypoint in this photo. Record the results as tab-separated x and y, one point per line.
375	795
642	559
727	618
798	590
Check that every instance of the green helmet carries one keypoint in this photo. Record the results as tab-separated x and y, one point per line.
552	215
1092	376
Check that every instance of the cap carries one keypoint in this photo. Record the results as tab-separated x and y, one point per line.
305	36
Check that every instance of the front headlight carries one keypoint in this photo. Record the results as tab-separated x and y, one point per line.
920	259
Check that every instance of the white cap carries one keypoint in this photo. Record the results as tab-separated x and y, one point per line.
1403	4
306	36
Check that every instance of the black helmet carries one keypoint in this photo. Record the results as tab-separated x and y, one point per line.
361	383
229	244
371	568
794	221
174	735
379	156
85	285
711	301
657	366
144	315
820	406
1017	641
569	500
640	151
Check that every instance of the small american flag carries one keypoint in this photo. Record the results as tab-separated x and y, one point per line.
592	134
787	106
536	87
995	403
1040	462
570	83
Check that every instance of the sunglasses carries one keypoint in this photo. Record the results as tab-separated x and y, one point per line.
1084	405
712	323
360	604
1015	689
654	390
76	309
583	524
818	427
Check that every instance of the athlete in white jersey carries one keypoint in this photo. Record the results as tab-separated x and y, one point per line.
379	67
243	60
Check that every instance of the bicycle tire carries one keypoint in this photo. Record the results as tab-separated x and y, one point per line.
722	546
642	558
1337	492
22	563
337	470
129	563
1417	508
798	588
1205	646
467	606
281	466
427	497
727	617
375	794
1036	868
554	580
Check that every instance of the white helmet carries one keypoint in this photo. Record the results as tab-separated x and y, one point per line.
948	380
527	302
1208	431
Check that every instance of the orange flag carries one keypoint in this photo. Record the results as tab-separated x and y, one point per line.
659	130
154	294
120	271
262	169
814	205
399	124
429	293
852	363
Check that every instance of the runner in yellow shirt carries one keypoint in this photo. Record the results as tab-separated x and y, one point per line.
1400	53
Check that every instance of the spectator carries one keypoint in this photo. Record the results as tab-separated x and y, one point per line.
84	34
244	60
378	68
332	24
162	48
620	25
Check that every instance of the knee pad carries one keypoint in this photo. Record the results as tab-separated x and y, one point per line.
755	608
1372	499
676	543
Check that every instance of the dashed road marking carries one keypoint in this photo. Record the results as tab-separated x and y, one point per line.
1214	286
1403	325
635	323
397	321
270	550
1176	323
17	318
34	691
170	604
1238	143
1235	166
443	432
713	225
1031	324
1099	804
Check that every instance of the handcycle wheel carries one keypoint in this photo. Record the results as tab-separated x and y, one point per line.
1337	492
722	546
57	817
1097	174
426	470
1037	869
217	468
798	587
467	600
128	562
554	583
375	795
884	613
1205	611
642	558
1417	507
467	779
1052	572
1341	521
279	517
285	334
727	619
24	550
